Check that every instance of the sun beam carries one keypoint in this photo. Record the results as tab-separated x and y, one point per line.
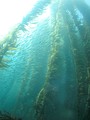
12	13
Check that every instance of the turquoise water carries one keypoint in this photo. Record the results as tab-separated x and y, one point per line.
45	64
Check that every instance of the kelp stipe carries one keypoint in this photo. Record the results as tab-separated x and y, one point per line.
65	95
86	41
33	71
84	9
47	104
7	46
37	10
7	116
80	66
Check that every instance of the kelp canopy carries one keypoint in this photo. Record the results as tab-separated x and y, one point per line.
48	59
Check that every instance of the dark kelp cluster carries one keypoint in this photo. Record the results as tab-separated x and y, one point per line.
78	33
7	116
47	101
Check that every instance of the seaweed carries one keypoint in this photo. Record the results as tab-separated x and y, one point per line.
37	10
80	61
47	104
84	9
8	44
7	116
7	47
83	29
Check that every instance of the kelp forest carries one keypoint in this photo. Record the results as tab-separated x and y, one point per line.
45	63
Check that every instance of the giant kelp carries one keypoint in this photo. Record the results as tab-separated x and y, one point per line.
7	116
47	102
75	30
84	9
87	51
7	46
81	66
34	64
9	42
37	10
69	25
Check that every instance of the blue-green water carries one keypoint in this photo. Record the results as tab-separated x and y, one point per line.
45	64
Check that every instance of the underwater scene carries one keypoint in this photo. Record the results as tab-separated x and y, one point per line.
45	60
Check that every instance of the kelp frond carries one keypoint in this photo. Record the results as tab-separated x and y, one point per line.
7	116
7	46
36	10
